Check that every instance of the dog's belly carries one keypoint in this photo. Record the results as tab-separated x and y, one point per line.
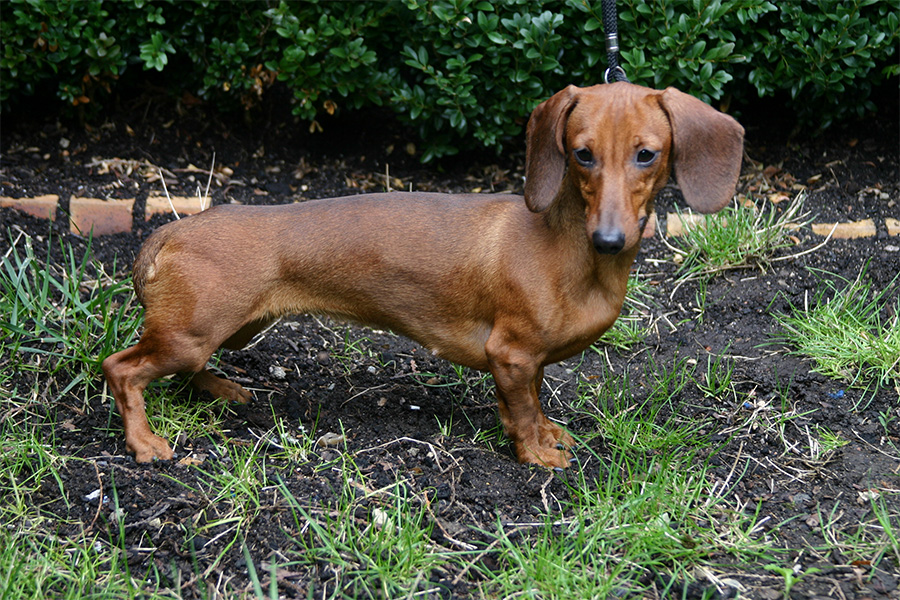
459	341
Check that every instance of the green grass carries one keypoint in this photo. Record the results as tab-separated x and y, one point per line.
738	237
36	564
630	329
376	543
850	330
69	317
867	539
659	512
653	509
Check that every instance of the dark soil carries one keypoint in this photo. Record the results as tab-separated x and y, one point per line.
851	173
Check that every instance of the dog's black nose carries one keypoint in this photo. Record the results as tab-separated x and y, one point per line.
609	242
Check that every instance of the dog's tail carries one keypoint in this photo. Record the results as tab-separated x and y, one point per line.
144	268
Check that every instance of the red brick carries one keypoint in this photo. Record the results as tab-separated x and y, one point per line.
678	223
103	216
42	207
846	231
158	204
893	226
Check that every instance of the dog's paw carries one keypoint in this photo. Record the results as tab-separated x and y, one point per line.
554	454
219	387
149	449
558	458
549	446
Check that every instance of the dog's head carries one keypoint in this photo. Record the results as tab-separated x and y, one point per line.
615	145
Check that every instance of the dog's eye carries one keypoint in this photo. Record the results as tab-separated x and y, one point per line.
584	157
645	157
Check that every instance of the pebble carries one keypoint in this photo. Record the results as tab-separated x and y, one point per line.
379	517
277	372
330	439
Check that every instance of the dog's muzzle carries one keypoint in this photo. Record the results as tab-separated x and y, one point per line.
609	242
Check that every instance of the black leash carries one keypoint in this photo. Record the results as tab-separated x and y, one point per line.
614	71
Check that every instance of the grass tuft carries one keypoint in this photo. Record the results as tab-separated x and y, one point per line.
850	330
738	237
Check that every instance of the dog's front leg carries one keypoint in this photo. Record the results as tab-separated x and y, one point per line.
518	376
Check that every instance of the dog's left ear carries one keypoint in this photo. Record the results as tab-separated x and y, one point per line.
545	152
707	150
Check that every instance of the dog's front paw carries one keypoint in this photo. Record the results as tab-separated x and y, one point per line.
556	457
548	448
149	448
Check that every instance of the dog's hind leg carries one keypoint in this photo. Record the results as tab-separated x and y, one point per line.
130	371
220	387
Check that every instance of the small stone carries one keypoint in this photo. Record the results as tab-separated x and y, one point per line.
330	439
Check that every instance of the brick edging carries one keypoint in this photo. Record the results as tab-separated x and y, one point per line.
676	223
116	216
104	217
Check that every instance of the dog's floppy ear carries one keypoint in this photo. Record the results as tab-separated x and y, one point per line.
545	152
707	150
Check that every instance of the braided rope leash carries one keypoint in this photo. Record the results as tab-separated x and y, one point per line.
614	71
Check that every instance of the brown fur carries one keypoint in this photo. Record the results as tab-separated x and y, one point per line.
492	282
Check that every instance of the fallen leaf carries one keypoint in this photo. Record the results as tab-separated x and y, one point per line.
779	197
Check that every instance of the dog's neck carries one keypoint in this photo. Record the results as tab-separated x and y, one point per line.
567	222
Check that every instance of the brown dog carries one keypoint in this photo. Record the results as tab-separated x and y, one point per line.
491	282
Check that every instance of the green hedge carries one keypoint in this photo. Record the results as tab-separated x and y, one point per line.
460	71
